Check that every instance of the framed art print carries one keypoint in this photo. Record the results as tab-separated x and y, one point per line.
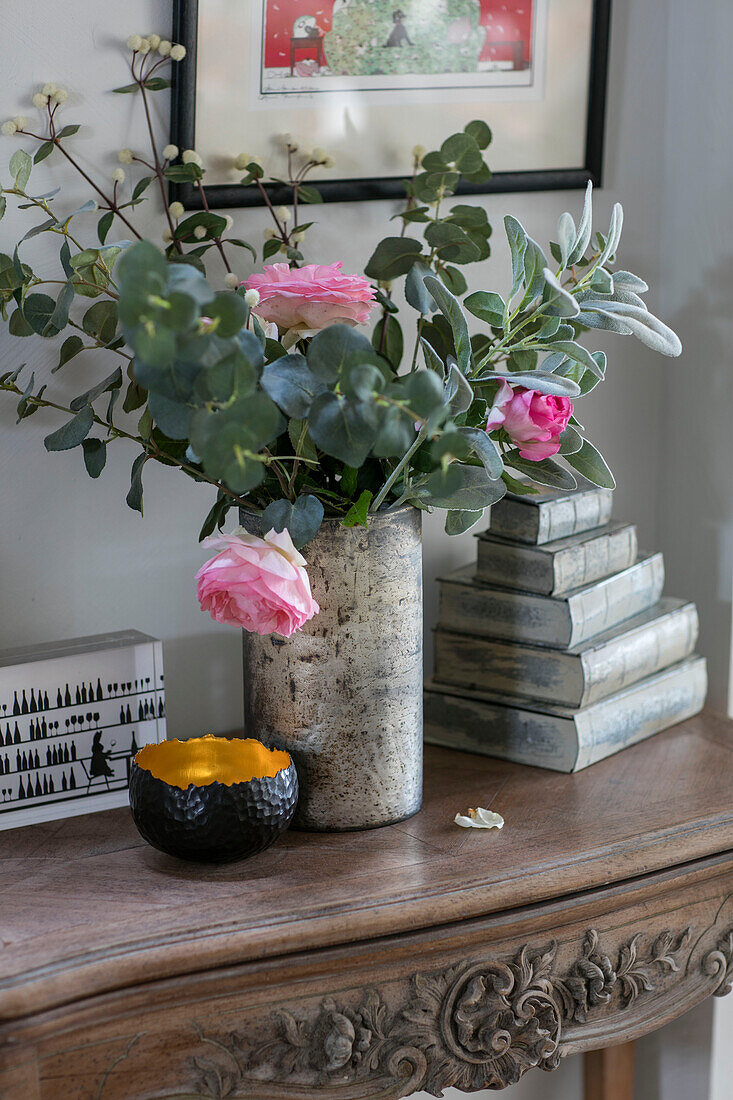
368	79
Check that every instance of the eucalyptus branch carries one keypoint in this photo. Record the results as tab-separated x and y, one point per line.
42	204
114	432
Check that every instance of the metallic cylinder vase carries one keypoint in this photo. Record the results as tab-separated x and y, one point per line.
344	695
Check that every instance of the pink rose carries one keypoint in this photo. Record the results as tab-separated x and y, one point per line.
257	583
304	300
534	421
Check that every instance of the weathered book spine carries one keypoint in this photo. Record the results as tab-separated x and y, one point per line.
470	607
550	516
560	566
560	739
578	677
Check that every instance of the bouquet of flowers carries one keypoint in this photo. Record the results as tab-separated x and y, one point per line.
272	389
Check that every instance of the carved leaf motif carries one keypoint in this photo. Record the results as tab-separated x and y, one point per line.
666	946
634	976
295	1031
220	1083
480	1024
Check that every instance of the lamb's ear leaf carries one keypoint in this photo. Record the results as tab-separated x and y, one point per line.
458	520
416	292
592	465
585	228
451	309
518	246
545	472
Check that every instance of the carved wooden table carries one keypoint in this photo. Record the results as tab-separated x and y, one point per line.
382	963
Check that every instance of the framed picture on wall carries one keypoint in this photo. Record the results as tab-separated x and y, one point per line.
368	79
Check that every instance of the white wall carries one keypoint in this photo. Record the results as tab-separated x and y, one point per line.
75	560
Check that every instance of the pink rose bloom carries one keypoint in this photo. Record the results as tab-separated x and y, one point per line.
257	583
307	299
533	420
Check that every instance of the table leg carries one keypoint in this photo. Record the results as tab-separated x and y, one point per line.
609	1074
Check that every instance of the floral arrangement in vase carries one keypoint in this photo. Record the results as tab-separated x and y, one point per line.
299	392
314	401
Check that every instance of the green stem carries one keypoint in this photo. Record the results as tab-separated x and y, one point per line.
217	240
420	323
157	167
419	440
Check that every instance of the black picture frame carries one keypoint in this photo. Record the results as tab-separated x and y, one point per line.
183	130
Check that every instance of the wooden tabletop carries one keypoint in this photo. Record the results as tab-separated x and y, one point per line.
86	903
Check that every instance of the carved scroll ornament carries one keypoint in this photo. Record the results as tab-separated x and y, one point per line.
480	1024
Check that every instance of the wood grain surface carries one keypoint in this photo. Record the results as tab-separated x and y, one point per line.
605	904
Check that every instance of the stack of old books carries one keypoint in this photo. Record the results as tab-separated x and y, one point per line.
556	648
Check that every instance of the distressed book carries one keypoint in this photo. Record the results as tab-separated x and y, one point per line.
649	642
560	738
470	606
551	514
560	566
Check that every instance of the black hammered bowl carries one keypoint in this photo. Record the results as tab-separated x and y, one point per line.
212	799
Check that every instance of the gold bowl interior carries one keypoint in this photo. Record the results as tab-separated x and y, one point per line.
210	759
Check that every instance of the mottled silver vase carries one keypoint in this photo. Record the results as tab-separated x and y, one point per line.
344	695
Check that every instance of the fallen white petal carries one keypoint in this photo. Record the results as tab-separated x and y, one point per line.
479	819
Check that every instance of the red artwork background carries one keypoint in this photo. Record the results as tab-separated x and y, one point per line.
505	20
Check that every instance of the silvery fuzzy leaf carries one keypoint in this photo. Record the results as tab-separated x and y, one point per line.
590	463
458	521
544	472
602	321
535	264
574	351
451	309
566	235
630	281
614	234
563	332
614	229
518	246
602	281
415	292
551	362
432	359
563	303
479	819
644	325
484	447
570	441
458	391
535	380
585	226
621	294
